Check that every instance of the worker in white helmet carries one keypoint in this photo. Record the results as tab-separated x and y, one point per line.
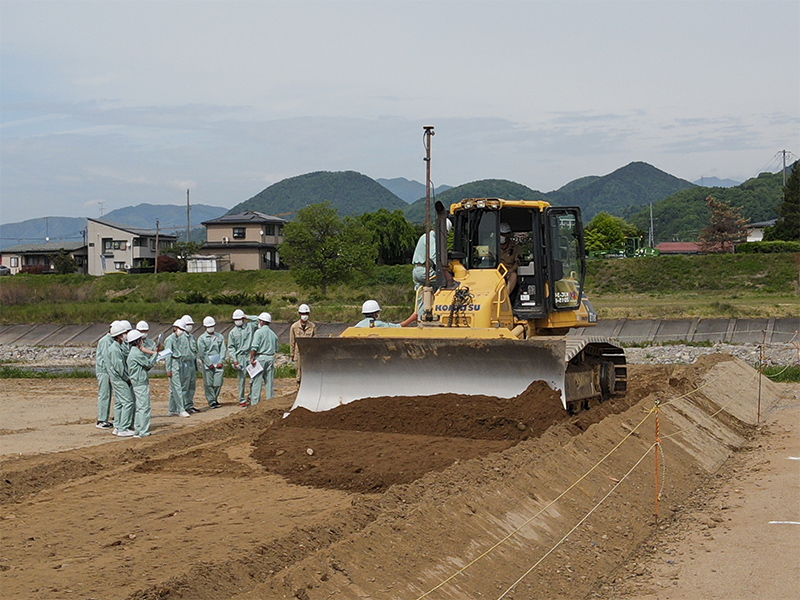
144	328
176	371
120	381
372	316
240	339
124	326
103	380
302	328
262	352
191	364
211	353
140	360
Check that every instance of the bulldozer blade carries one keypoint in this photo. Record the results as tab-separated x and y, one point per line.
337	371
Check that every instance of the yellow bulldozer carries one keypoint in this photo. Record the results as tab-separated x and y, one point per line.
473	335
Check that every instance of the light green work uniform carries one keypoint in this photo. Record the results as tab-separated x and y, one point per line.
103	379
370	322
139	364
120	382
178	383
239	341
265	345
191	367
209	345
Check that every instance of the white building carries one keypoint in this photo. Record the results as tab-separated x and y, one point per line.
755	231
116	248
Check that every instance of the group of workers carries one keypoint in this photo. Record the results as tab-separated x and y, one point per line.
125	355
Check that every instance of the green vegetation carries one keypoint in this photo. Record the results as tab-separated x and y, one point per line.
323	249
786	374
767	247
630	187
486	188
723	285
681	216
7	372
607	233
349	192
788	225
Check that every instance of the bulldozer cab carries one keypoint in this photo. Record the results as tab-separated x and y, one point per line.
550	256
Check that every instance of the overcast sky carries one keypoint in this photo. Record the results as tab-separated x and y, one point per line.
124	102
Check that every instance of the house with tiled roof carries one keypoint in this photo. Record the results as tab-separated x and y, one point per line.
38	257
248	240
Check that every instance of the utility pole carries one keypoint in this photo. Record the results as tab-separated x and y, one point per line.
155	264
188	221
650	238
784	167
427	291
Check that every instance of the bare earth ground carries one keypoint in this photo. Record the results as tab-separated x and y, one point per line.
446	497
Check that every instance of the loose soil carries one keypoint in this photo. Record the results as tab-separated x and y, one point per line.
443	497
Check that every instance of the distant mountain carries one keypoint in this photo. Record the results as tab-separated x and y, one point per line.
578	184
171	218
681	216
349	192
636	184
716	182
409	190
168	215
32	231
486	188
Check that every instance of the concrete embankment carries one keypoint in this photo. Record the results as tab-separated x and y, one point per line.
627	331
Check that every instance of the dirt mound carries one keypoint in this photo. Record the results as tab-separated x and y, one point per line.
370	445
382	498
448	415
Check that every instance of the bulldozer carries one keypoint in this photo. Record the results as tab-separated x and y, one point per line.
474	335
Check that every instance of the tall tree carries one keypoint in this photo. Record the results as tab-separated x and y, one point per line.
322	249
727	227
607	232
393	235
788	225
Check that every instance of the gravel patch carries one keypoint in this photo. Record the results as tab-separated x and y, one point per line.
774	354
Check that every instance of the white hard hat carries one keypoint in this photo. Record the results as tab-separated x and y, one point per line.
179	324
209	322
133	335
238	314
117	328
265	316
112	324
143	326
187	319
303	308
370	306
126	324
505	228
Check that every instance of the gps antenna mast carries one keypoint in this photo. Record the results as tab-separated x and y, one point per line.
427	291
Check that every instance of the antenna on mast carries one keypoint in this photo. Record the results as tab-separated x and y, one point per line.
427	291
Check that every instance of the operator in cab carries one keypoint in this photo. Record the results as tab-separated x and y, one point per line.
509	256
372	317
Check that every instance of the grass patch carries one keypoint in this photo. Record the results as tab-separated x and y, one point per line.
7	372
787	374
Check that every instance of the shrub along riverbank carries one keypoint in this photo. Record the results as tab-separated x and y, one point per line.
753	285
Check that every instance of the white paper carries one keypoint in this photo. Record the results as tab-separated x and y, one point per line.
164	354
254	369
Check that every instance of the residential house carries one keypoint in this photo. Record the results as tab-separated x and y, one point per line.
755	231
38	258
113	248
250	240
